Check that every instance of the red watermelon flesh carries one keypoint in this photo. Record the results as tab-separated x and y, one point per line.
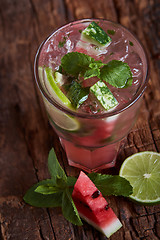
93	207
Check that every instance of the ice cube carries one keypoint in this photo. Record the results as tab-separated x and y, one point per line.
90	49
69	45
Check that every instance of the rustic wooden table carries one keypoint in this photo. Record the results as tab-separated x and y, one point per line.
26	137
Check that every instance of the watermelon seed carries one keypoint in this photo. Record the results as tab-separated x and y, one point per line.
106	207
96	194
85	205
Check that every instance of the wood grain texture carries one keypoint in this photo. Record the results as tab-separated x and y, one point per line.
26	137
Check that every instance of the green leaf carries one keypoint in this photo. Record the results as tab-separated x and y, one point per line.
96	64
39	200
61	43
47	189
94	70
61	182
111	185
69	209
77	94
92	73
93	176
71	181
75	63
111	32
116	73
54	168
131	43
129	82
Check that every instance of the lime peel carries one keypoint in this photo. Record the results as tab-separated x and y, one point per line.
55	89
61	119
146	182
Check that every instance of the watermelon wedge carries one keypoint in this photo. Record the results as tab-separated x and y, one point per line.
93	207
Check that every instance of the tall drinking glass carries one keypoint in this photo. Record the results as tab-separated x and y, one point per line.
92	138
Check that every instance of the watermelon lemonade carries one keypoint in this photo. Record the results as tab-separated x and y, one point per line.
92	74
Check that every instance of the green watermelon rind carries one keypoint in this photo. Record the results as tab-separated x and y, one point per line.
95	35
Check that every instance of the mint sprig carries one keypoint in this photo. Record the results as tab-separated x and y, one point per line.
57	191
115	72
111	184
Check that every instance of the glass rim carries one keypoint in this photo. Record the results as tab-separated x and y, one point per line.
73	113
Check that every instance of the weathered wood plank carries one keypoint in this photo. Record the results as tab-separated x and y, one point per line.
18	221
24	126
25	135
89	9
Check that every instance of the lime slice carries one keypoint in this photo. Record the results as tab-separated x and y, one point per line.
60	118
40	73
142	170
53	88
41	76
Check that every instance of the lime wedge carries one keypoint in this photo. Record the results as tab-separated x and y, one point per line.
52	82
41	76
142	170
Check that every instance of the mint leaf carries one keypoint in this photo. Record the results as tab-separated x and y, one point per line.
111	32
61	182
61	43
77	94
39	200
111	185
129	82
91	73
94	70
54	168
47	189
75	63
131	43
69	209
92	176
116	73
71	181
96	64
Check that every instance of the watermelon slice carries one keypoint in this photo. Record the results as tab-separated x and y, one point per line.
93	207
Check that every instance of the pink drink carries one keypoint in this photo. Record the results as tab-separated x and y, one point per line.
91	135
